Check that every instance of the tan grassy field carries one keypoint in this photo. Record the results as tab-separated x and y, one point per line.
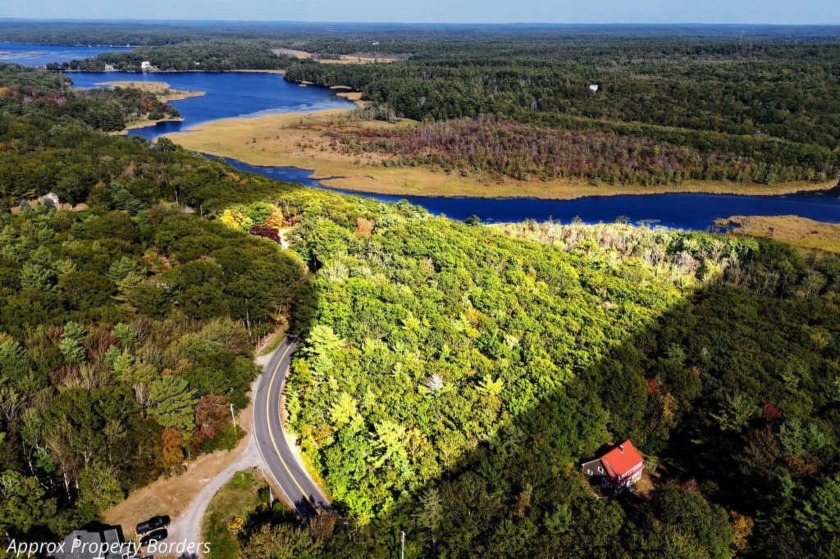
293	53
349	94
343	59
353	59
302	140
161	89
795	230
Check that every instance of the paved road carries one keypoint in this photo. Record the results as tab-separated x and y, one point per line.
278	455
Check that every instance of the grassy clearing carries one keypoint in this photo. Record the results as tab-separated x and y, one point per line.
791	229
301	140
239	498
161	89
342	59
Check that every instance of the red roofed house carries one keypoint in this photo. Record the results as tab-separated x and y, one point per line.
619	468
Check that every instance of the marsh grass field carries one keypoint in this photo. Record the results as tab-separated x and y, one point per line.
306	141
340	59
791	229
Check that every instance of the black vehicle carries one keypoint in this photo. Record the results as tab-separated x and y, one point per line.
156	536
153	523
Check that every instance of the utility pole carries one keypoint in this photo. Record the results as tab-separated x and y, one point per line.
402	545
233	419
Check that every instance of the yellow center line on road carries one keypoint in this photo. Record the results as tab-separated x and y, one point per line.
271	433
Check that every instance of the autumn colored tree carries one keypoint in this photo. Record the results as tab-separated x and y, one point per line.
212	415
172	447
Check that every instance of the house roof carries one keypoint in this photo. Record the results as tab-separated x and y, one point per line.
622	460
86	542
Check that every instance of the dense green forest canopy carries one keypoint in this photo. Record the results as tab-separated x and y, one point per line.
787	91
451	377
126	330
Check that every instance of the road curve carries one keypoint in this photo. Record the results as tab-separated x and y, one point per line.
278	455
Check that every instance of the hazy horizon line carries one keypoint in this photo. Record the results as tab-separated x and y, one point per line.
445	23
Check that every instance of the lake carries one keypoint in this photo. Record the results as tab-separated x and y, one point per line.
242	94
41	55
227	95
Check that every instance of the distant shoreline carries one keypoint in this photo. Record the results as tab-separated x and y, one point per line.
72	45
137	72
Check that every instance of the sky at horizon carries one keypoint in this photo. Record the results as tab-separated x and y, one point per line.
779	12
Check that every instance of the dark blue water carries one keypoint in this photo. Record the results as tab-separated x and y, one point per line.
227	95
686	211
41	55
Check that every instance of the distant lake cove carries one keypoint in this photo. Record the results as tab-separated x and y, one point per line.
251	94
41	55
227	95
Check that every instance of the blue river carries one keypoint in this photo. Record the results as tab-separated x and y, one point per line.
251	94
684	211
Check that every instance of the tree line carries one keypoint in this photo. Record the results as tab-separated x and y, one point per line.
209	56
497	149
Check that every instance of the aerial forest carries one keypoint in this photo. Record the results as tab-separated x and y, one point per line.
451	376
